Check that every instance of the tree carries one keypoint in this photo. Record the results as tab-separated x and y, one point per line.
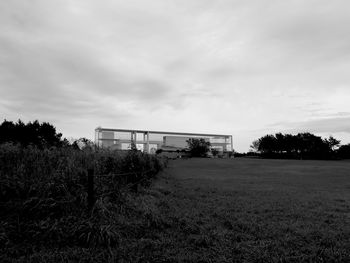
214	151
332	142
268	144
344	151
198	147
83	144
41	135
280	142
302	145
255	145
311	146
290	143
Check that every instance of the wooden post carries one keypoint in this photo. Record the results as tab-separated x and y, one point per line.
90	188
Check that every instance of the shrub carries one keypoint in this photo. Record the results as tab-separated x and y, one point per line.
198	147
159	151
214	152
43	198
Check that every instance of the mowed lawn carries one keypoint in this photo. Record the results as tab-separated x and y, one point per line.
248	210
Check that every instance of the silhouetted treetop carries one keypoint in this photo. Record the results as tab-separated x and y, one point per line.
302	145
198	147
33	133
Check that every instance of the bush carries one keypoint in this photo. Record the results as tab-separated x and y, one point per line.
159	151
43	198
214	151
198	147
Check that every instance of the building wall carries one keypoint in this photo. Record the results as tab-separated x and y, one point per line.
150	142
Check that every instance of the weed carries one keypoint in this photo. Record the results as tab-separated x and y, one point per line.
43	199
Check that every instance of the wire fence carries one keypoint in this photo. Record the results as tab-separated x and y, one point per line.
91	182
96	184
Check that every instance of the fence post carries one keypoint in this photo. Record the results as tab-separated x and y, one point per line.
90	188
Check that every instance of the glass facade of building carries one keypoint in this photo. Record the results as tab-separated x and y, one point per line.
150	141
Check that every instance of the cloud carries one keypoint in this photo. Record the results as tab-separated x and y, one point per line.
203	66
327	125
331	125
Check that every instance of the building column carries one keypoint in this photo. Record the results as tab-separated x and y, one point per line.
147	144
231	143
97	138
133	138
225	146
144	142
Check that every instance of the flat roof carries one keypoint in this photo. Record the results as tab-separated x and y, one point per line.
163	132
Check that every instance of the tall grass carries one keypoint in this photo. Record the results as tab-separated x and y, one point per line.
43	197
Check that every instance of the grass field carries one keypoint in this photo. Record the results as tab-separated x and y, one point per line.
248	210
196	210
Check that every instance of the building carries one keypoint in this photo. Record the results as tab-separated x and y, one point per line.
151	141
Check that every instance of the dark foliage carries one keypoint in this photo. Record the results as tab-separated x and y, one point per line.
344	151
159	151
247	154
300	146
214	151
42	135
82	143
43	197
198	147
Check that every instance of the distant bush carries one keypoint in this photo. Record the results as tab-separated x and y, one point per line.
214	151
198	147
159	151
82	144
237	154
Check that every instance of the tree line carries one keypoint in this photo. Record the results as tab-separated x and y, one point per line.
301	146
41	135
32	133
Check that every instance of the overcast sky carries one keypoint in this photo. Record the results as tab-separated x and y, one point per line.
245	68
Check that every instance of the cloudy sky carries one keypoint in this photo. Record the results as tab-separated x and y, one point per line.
245	68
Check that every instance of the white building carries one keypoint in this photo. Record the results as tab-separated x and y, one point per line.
150	141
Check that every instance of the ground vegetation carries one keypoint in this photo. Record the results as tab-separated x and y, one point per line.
48	211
